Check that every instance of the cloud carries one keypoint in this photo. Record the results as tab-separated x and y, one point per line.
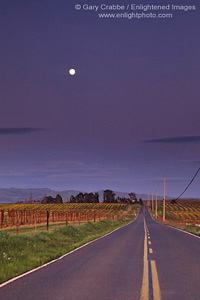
64	170
12	173
18	130
76	166
176	140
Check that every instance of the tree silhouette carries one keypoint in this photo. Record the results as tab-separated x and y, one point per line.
109	196
133	197
85	198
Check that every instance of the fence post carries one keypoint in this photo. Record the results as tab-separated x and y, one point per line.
17	217
66	219
2	218
79	218
47	220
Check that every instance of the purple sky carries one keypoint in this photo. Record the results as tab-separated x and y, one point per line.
129	116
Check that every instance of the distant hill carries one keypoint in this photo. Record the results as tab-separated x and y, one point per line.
13	195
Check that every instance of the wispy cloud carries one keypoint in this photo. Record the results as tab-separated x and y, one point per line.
18	130
176	140
11	173
75	166
64	170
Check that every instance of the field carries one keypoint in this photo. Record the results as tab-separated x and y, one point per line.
22	252
184	214
38	215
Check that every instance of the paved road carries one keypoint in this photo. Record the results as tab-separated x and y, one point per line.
177	257
138	261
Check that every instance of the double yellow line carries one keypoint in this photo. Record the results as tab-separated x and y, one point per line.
150	283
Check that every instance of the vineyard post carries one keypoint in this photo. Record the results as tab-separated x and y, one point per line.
66	219
156	205
8	216
26	213
10	221
47	220
56	219
35	216
2	218
17	217
79	218
14	216
21	217
164	201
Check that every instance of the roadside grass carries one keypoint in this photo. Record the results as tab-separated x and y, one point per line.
21	253
33	229
190	228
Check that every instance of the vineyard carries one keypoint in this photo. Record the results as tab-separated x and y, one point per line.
182	212
17	215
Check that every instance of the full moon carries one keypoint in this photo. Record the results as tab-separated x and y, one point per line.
72	72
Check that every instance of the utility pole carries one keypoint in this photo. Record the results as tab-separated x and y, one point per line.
152	202
164	201
156	205
148	202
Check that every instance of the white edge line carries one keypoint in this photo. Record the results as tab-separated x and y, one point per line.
196	236
185	231
61	257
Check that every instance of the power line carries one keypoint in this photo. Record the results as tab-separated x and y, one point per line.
189	183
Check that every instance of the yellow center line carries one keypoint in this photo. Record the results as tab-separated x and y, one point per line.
145	281
156	286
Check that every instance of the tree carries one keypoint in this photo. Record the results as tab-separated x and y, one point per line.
85	198
96	198
133	198
58	199
72	199
50	199
109	196
89	198
79	198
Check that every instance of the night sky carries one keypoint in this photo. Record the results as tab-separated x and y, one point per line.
130	114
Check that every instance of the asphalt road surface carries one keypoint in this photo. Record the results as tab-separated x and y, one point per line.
143	260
